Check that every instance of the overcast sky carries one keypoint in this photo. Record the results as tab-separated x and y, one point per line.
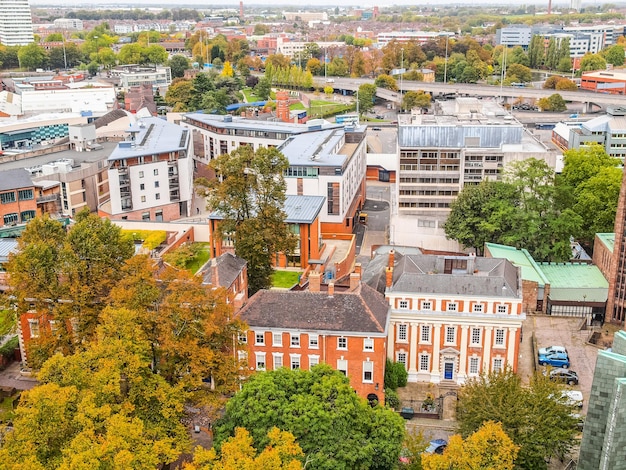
235	3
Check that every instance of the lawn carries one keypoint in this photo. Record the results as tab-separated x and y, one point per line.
297	106
250	96
285	279
6	409
322	108
204	253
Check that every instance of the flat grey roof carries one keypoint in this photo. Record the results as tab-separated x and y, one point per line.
299	209
7	246
152	135
78	157
315	148
235	122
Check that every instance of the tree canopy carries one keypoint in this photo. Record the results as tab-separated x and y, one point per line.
335	428
536	418
250	194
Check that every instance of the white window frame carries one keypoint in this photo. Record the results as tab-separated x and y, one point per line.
341	363
368	344
497	364
403	304
277	364
425	334
497	341
314	359
474	366
294	359
277	340
342	343
242	355
314	341
294	340
368	367
260	358
478	308
452	307
403	328
243	337
427	305
502	308
259	335
34	327
450	331
402	358
476	336
424	362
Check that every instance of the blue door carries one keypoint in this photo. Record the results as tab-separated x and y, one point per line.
448	370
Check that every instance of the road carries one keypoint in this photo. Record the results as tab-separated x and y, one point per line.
471	89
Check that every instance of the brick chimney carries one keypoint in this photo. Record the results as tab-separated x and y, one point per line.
331	289
215	273
392	257
314	281
389	277
355	280
357	268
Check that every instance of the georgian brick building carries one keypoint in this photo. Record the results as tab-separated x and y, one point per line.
347	330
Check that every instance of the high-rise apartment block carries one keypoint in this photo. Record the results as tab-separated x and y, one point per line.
16	23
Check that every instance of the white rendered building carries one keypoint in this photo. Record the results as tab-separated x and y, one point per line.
16	23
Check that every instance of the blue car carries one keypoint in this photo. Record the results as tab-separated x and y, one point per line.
554	360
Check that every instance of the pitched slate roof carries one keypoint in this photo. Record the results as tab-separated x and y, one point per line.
360	311
15	179
229	267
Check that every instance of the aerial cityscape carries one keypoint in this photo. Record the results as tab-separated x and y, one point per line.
241	236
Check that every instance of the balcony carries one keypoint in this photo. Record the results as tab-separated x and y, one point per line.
48	198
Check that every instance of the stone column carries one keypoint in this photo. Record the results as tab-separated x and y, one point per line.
434	373
391	339
510	347
463	356
413	359
487	349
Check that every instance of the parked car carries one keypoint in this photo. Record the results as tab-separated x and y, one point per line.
552	349
554	360
564	375
436	446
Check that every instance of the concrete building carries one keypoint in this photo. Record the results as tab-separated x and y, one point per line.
514	35
69	23
38	130
290	48
608	131
344	329
305	16
463	142
605	81
452	317
133	75
151	173
16	23
603	442
420	37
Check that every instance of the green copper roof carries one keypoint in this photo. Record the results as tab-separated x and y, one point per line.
608	239
521	258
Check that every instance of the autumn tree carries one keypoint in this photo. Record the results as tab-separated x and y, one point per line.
590	62
237	452
416	99
102	407
250	196
535	418
333	425
614	55
488	448
386	81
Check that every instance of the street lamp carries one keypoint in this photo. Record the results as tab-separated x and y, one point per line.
401	73
445	66
64	55
325	59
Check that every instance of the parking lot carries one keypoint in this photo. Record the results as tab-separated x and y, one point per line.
560	331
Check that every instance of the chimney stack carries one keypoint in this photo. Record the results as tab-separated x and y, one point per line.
355	280
357	268
392	256
314	281
215	273
331	289
389	277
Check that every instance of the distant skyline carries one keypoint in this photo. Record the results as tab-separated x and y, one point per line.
318	3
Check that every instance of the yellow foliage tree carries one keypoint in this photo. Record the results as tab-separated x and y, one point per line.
237	453
227	69
489	448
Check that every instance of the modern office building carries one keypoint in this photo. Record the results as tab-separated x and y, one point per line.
514	35
16	23
464	141
608	131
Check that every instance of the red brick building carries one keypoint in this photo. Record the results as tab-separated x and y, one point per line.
231	272
18	197
299	330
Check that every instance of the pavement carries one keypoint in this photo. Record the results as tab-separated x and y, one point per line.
11	377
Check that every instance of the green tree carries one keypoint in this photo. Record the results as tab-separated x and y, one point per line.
54	37
263	89
416	99
154	54
488	448
179	95
564	64
131	54
520	72
386	81
31	56
333	425
517	56
178	64
536	418
557	103
614	55
590	62
251	198
552	54
536	52
366	95
395	375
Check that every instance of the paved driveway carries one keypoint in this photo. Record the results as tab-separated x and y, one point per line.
563	332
